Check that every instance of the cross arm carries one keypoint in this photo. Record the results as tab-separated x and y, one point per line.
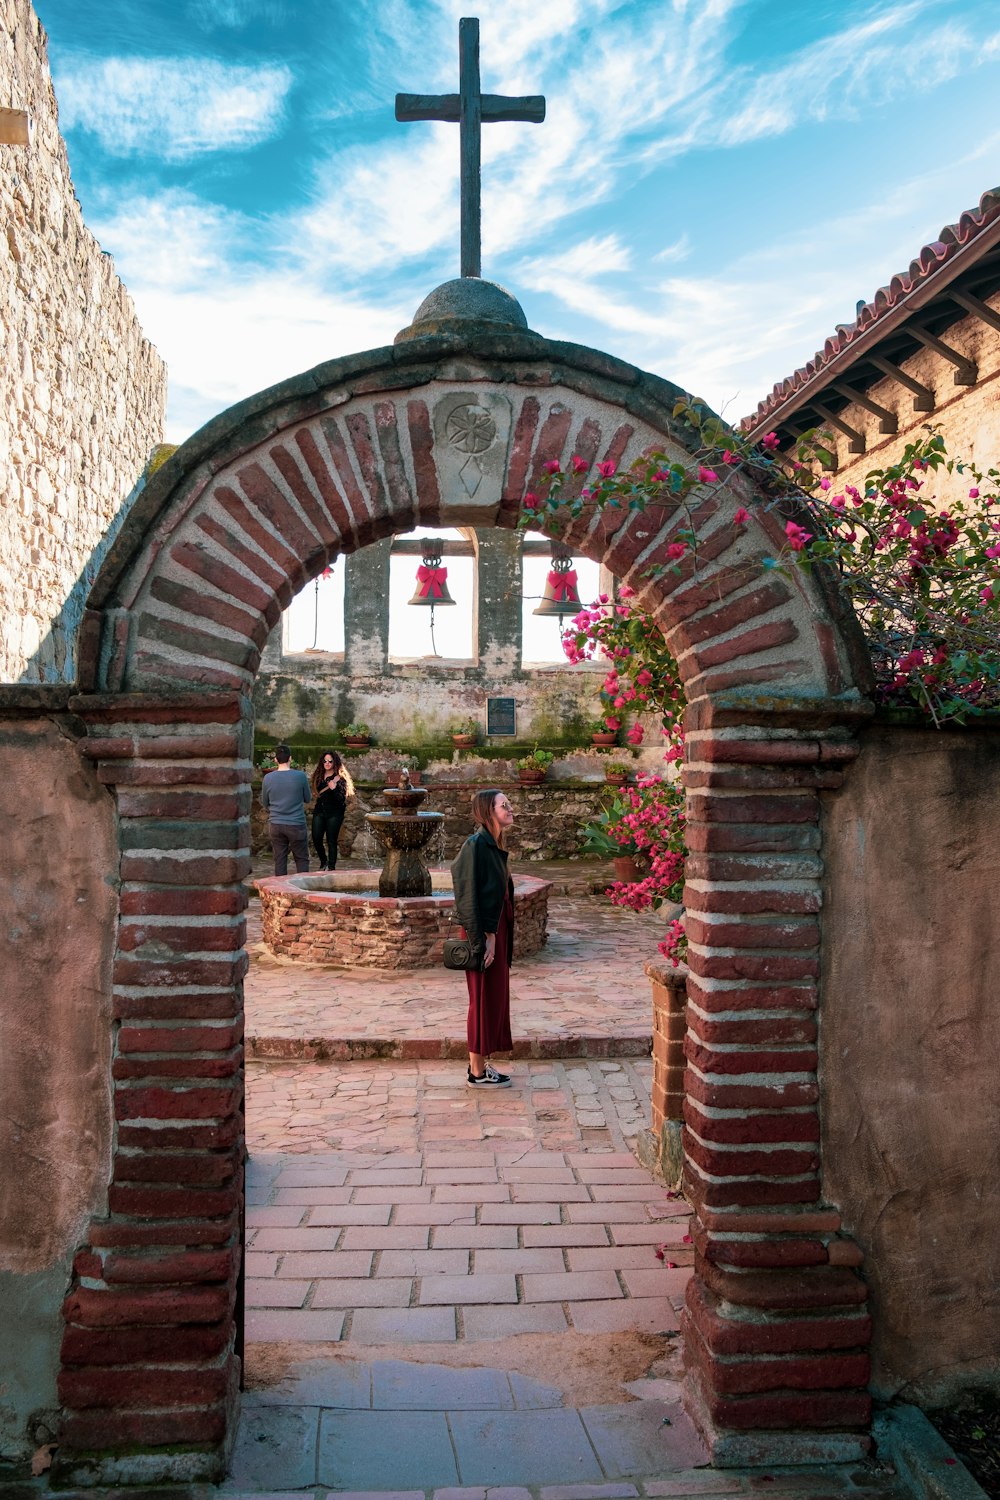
428	107
495	107
514	107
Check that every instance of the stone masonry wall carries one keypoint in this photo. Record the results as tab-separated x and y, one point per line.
547	818
82	392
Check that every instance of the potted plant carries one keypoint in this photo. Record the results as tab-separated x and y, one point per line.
532	768
616	773
357	736
609	837
601	735
465	734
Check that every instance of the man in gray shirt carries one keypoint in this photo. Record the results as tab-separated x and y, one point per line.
284	794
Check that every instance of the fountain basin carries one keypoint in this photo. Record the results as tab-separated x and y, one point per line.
337	918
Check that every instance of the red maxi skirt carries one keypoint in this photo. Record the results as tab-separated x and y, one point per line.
489	995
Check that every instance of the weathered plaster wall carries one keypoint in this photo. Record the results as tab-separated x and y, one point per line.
56	942
969	415
82	392
910	1045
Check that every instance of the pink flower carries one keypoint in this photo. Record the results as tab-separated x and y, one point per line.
824	483
645	677
531	501
730	458
797	536
579	465
987	595
619	702
770	442
741	517
625	592
838	502
661	476
634	735
974	493
993	551
676	549
613	722
551	466
586	494
606	469
706	476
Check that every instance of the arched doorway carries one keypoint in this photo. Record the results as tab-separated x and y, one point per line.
234	524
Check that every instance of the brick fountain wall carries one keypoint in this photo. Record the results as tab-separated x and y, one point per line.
308	919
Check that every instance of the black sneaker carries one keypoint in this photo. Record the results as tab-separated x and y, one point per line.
491	1079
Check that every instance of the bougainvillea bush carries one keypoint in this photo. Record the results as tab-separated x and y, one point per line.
924	578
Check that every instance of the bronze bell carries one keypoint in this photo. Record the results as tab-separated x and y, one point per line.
560	595
432	579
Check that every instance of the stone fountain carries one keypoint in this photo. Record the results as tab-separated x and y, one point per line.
402	833
335	918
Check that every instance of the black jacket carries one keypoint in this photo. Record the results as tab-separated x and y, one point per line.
480	880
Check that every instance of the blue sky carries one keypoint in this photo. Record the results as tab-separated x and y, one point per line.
715	186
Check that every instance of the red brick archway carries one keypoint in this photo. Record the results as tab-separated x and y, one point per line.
223	537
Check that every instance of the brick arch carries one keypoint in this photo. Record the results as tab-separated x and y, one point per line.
222	538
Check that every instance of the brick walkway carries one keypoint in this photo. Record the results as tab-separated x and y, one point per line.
433	1271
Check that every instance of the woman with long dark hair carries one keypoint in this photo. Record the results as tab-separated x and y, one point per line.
332	785
484	904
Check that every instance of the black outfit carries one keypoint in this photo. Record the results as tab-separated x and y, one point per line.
327	818
484	902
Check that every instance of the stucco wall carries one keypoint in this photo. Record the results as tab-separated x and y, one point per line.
56	941
968	415
82	391
910	1046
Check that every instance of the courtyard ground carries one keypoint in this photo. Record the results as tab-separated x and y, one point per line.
460	1292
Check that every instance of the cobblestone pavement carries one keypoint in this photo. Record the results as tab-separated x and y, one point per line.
585	993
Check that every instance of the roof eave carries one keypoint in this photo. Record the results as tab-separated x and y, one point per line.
931	287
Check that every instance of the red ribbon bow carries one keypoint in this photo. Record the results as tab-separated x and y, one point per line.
431	581
562	584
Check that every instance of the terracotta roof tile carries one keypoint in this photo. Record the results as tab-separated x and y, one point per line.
954	237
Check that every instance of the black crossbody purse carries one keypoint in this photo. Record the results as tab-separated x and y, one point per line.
461	953
458	953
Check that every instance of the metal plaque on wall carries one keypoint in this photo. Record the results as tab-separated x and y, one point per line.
500	716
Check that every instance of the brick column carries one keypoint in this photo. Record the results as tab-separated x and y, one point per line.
149	1362
776	1328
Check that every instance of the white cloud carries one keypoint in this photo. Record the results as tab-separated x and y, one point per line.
171	107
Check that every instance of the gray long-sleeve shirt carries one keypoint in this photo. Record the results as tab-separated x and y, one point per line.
284	794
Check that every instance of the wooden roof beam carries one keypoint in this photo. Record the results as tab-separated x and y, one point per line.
888	423
856	440
923	396
966	372
979	309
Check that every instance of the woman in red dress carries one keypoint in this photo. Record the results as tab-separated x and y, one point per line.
484	904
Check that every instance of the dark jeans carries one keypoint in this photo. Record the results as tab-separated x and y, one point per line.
285	836
326	830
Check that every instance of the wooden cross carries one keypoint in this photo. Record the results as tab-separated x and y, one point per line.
472	109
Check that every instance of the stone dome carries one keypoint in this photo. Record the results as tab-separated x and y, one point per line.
467	299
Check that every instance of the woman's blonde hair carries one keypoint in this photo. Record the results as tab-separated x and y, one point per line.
339	769
484	816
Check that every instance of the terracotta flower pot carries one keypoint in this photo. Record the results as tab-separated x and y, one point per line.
627	869
357	742
615	778
463	741
604	739
530	778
